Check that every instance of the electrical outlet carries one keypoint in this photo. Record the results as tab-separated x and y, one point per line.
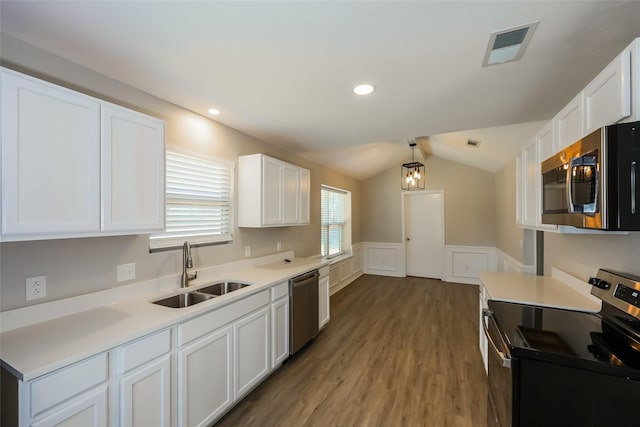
126	272
247	250
36	287
278	245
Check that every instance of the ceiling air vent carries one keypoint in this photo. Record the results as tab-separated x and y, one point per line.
508	45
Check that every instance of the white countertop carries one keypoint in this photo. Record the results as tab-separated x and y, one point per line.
37	349
538	290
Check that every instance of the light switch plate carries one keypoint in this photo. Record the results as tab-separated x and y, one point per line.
126	272
247	250
36	287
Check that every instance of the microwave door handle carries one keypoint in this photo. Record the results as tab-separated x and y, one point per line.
633	188
569	184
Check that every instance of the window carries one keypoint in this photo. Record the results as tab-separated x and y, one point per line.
198	201
335	221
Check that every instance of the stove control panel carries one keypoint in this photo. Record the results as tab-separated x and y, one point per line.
627	294
621	290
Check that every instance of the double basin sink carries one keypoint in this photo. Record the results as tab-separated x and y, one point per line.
205	293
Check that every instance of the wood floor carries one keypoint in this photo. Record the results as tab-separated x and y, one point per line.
397	352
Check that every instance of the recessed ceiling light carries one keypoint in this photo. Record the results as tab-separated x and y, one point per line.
214	111
364	89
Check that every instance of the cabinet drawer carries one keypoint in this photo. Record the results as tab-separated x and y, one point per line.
192	329
66	383
279	291
143	350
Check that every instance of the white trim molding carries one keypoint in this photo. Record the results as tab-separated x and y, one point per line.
384	259
506	263
463	264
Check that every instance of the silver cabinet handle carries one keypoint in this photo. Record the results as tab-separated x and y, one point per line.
506	361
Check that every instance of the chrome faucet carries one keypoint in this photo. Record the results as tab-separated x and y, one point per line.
187	262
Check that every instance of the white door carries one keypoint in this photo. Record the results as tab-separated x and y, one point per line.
146	395
424	233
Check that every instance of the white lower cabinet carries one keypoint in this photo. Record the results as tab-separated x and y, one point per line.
89	410
251	350
205	378
77	395
279	323
323	301
143	377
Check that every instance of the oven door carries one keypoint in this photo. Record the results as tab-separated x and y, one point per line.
499	400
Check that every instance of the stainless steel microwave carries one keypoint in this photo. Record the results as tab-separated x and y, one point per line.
593	182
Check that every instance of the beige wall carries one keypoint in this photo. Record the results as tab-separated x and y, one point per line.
511	239
469	204
78	266
582	254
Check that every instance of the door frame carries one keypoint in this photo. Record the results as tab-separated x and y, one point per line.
403	196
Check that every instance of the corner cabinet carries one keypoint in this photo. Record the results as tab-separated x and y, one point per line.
76	166
272	193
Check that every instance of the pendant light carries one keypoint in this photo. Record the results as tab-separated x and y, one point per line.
412	174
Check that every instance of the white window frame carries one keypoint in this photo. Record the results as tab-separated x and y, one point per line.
173	240
345	243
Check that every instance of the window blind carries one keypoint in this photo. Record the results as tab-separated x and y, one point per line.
198	201
332	220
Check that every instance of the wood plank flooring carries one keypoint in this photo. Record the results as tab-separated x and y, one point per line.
397	352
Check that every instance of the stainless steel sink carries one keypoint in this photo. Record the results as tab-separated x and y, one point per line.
222	288
186	299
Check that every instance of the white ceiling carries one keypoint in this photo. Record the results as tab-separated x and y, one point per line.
284	71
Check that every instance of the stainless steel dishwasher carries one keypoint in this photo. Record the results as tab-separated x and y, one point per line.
303	307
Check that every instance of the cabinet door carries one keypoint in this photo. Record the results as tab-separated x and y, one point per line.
519	188
251	350
146	395
50	158
271	191
544	147
205	379
88	410
530	181
305	195
568	126
279	331
133	158
323	300
607	99
290	194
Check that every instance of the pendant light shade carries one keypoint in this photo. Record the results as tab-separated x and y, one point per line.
412	174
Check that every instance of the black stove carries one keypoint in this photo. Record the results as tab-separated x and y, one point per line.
567	367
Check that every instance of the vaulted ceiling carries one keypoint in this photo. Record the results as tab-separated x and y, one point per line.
284	71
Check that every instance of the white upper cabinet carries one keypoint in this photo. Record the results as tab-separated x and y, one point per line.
271	192
305	195
75	166
529	177
50	158
132	166
568	125
607	99
530	174
290	194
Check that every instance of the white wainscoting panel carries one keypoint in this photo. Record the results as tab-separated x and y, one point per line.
384	259
464	263
510	265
